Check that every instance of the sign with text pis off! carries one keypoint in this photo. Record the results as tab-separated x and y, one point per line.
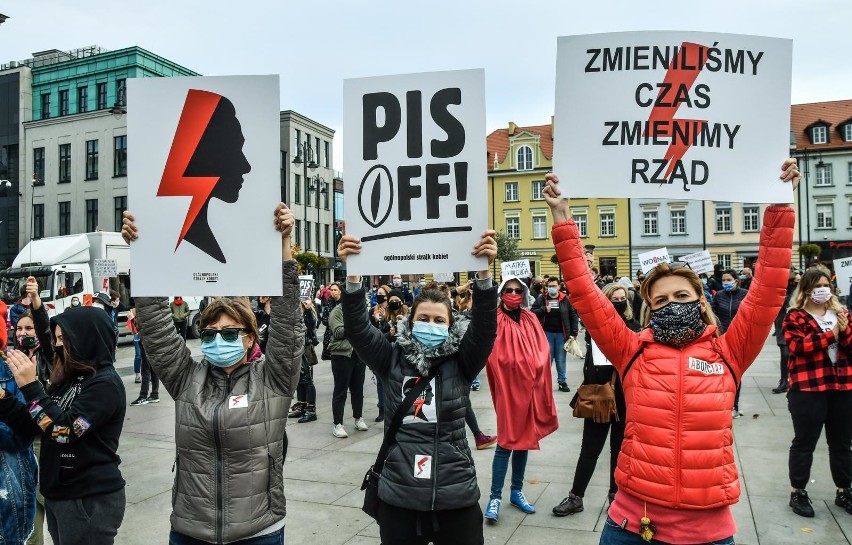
414	148
678	115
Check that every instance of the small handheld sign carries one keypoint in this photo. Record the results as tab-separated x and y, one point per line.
515	269
649	260
700	262
306	287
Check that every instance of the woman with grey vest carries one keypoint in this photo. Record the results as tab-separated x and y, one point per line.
428	488
230	409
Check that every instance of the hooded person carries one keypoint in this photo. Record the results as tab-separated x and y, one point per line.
79	417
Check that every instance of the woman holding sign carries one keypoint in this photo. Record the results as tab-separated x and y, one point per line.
427	490
676	474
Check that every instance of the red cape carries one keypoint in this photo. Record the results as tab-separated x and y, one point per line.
521	384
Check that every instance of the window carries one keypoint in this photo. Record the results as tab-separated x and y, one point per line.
525	158
119	159
297	230
45	105
582	224
511	191
325	196
649	223
64	218
63	102
326	156
850	214
607	224
849	173
120	91
539	226
678	222
537	188
82	99
38	165
823	175
69	283
847	132
317	152
513	227
102	95
724	260
751	219
819	134
38	221
723	220
64	163
825	216
91	159
91	215
307	235
308	193
298	139
327	238
297	185
119	208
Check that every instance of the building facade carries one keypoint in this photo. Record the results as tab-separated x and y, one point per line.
15	108
661	223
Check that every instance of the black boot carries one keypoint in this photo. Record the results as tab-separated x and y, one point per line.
381	416
782	387
310	414
297	410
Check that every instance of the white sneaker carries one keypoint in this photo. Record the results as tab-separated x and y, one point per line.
360	425
339	431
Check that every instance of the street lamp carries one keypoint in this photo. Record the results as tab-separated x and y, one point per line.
305	157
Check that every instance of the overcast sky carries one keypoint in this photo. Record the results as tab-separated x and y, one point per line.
315	44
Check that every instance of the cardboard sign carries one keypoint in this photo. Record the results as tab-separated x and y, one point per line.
597	356
414	147
843	276
444	277
515	269
700	262
203	171
105	268
679	115
306	287
649	260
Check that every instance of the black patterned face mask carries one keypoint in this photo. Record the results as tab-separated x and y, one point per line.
677	324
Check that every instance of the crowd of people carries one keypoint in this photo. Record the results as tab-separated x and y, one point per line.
665	350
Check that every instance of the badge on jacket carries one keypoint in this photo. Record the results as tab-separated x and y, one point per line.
422	466
237	402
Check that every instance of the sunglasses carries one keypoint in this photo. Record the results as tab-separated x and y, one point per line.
519	291
229	334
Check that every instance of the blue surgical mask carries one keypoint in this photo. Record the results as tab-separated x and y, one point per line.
430	335
222	353
729	286
552	291
742	277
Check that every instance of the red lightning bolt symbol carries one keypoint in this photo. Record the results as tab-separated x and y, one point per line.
196	114
678	79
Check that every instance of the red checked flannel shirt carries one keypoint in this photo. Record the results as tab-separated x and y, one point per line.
811	369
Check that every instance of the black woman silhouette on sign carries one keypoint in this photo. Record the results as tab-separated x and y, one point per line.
206	161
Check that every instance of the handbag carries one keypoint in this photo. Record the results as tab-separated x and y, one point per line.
310	354
596	401
572	347
326	340
370	486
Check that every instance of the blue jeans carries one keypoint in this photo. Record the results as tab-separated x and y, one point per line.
137	358
613	534
275	538
501	465
556	342
476	382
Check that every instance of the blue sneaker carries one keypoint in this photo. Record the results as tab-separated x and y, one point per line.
518	500
492	512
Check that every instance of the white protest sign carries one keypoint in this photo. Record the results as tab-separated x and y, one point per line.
105	268
700	262
684	115
649	260
414	146
202	181
843	276
515	269
597	356
306	287
444	277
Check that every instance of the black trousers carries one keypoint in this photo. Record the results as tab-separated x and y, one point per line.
785	359
306	391
348	376
148	377
594	438
470	418
92	520
180	327
811	411
398	526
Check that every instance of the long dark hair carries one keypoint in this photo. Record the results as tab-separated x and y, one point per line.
66	366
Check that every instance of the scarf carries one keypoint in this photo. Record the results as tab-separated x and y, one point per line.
421	357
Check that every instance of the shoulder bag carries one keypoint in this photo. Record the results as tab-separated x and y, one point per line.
597	401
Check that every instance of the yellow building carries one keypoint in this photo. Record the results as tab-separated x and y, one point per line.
518	159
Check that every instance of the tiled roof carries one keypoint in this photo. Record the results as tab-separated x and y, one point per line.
498	142
834	113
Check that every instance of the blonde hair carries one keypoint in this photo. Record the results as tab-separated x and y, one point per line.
663	270
610	289
807	284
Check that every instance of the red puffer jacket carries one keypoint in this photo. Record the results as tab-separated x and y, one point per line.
677	449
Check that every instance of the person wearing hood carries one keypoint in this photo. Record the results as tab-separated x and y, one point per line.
79	417
428	490
230	408
725	306
180	314
559	320
522	391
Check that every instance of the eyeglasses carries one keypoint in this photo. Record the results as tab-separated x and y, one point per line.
674	265
229	334
519	291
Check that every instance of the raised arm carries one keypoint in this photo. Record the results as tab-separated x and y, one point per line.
286	335
371	346
479	338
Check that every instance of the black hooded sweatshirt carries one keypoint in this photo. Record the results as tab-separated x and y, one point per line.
80	420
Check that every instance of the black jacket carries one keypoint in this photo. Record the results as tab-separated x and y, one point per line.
601	374
80	420
430	466
570	319
725	305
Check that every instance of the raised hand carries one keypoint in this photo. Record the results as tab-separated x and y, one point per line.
129	231
559	205
22	367
32	292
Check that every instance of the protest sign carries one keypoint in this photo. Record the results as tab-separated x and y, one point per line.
597	356
685	115
700	262
444	277
306	287
203	181
414	146
515	269
843	276
649	260
105	268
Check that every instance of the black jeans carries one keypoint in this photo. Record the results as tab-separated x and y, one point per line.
348	375
810	411
148	376
470	417
181	328
306	391
398	526
594	438
92	520
785	359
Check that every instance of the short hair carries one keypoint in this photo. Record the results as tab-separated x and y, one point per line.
552	279
431	296
595	270
235	309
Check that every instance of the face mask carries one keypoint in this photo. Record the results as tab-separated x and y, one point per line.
641	278
704	281
394	305
511	300
552	291
178	301
729	286
98	304
397	282
422	282
380	299
28	342
742	277
821	296
222	353
75	303
430	335
620	306
677	324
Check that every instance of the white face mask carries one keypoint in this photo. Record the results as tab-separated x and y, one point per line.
821	296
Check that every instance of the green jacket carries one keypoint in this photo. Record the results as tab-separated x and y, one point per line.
179	312
338	346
